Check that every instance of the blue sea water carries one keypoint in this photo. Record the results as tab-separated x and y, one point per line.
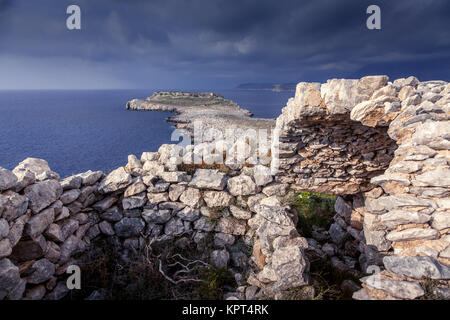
78	130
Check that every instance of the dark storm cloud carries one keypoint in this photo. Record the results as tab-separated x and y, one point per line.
204	43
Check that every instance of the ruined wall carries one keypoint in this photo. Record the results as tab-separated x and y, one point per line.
48	223
384	147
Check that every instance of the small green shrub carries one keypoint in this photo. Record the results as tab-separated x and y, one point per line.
314	209
214	282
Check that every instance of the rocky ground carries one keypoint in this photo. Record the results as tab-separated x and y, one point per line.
212	109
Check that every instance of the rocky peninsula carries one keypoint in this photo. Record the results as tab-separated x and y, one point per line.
211	108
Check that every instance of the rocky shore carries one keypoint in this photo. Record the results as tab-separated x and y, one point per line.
212	109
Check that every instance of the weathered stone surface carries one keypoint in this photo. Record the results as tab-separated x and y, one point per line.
413	234
4	228
9	275
43	194
137	187
40	271
129	227
174	227
439	177
106	228
158	187
69	227
204	224
68	248
5	248
14	205
220	258
223	239
133	202
89	178
394	218
104	204
26	250
337	234
189	214
175	191
230	225
241	185
38	167
39	222
217	198
276	189
112	215
155	198
54	233
191	197
400	289
116	180
8	180
262	175
156	216
70	196
208	179
175	177
417	267
287	269
72	182
240	213
59	292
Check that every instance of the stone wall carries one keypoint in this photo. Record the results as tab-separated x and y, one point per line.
47	223
384	147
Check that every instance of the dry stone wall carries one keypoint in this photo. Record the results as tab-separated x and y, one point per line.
48	223
384	148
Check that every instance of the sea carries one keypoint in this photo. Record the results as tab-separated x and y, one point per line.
80	130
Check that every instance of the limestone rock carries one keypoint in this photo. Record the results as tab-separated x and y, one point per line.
208	179
14	205
90	177
38	223
129	227
191	197
400	289
116	180
242	185
70	196
43	194
38	167
220	258
413	234
417	267
40	271
9	275
72	182
7	179
217	198
262	175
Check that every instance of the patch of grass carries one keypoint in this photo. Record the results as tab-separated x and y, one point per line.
314	209
429	285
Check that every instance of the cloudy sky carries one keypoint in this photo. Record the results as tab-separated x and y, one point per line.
195	44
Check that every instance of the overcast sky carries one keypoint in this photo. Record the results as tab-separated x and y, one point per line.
218	43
